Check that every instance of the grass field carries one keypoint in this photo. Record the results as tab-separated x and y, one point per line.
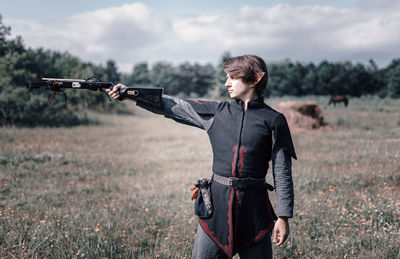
121	189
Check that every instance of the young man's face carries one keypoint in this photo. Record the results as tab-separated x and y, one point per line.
236	88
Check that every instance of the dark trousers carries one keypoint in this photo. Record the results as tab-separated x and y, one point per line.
206	248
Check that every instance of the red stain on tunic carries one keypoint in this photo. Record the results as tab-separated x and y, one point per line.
242	151
235	148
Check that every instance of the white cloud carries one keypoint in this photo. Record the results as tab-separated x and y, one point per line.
307	33
122	33
133	33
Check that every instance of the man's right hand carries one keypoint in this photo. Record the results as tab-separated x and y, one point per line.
114	93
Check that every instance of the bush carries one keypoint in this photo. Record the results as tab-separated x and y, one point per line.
21	108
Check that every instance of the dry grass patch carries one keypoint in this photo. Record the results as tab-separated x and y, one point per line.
121	189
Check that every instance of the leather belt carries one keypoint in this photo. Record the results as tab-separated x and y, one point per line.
241	183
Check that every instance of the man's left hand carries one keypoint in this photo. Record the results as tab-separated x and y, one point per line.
281	231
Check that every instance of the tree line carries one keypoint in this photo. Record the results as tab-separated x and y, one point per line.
285	78
21	107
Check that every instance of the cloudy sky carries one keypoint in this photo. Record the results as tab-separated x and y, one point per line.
201	30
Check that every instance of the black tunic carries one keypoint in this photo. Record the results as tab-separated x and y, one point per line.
242	142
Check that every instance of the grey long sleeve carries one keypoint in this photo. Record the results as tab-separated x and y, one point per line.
282	174
180	111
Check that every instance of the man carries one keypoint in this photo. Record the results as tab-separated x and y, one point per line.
245	135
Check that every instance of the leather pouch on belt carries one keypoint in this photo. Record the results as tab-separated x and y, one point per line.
203	206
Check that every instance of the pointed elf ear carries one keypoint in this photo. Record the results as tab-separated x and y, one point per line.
258	78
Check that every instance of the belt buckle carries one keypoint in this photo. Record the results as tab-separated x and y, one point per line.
230	182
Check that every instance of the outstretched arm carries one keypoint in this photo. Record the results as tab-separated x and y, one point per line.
177	109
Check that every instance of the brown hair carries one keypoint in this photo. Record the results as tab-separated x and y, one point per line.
246	68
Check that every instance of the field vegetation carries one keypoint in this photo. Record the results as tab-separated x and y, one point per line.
121	188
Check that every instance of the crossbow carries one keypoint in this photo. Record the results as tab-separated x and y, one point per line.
150	95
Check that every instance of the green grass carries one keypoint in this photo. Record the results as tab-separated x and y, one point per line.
121	189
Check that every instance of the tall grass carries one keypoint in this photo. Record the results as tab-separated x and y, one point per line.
121	189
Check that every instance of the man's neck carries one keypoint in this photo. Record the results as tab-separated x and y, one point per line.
247	99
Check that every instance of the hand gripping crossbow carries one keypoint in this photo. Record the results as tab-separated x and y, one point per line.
149	95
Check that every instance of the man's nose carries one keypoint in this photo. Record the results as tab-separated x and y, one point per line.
228	83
